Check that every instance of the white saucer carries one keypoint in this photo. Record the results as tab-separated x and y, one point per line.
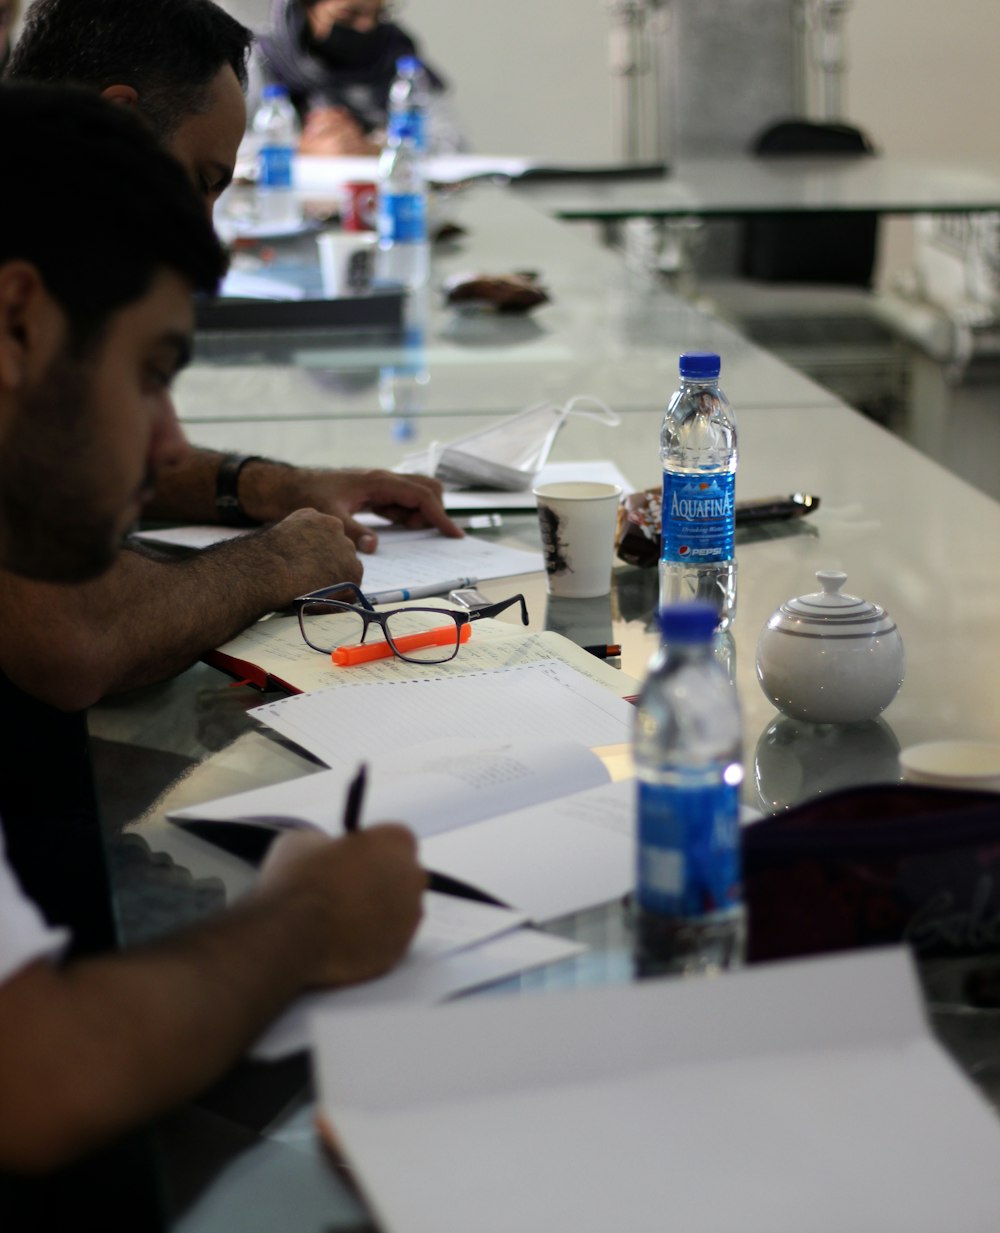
953	764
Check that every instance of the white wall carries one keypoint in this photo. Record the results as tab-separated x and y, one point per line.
925	82
530	76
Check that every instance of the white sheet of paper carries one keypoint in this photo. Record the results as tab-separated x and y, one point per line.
316	174
425	558
431	786
404	559
562	856
244	284
421	982
802	1097
523	703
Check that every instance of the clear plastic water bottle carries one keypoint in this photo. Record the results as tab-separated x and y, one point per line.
409	102
276	132
698	452
689	915
403	249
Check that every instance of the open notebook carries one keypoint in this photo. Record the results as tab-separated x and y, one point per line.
273	650
791	1098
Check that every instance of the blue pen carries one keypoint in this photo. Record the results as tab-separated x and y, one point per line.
424	592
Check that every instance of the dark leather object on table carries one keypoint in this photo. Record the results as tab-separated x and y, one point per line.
504	293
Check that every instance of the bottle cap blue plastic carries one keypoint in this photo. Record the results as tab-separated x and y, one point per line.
703	364
407	64
274	91
690	622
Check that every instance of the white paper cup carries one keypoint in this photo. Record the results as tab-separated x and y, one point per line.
953	764
346	262
577	521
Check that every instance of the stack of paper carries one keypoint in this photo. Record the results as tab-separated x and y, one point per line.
460	944
538	826
799	1098
404	559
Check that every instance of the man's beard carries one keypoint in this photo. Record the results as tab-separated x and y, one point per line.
50	479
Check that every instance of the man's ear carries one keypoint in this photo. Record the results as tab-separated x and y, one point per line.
26	321
127	96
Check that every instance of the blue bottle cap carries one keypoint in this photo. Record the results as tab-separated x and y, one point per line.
407	64
700	364
694	621
274	91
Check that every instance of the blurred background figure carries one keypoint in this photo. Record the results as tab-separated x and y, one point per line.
337	59
8	18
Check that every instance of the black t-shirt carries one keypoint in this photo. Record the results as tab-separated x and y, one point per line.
50	819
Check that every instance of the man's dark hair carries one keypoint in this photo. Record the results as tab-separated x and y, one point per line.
92	200
168	51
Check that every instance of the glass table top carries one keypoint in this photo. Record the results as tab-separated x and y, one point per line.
740	186
605	332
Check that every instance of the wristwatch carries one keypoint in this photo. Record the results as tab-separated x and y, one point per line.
227	498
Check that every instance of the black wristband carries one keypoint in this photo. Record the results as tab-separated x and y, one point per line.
227	498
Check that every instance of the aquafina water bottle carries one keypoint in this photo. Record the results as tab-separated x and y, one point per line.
687	748
409	102
403	256
276	129
698	452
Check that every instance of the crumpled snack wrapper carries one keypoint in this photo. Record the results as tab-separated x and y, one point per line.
637	536
505	293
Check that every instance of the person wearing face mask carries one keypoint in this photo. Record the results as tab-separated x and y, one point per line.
337	59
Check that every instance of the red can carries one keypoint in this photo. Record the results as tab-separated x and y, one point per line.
358	207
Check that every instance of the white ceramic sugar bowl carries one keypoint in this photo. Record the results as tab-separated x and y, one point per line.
830	658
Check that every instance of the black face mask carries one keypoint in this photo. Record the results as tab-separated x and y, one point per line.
346	48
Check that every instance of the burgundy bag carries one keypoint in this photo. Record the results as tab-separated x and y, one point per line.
872	866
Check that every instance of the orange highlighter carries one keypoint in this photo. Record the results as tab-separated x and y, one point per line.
362	653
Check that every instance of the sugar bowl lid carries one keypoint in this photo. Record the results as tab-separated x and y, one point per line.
830	613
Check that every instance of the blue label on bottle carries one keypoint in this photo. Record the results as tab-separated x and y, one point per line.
688	849
402	218
411	125
699	517
274	167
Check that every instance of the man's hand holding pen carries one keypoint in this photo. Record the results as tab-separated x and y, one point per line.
365	892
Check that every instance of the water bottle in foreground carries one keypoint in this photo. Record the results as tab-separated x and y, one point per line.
689	915
409	102
276	130
403	251
698	454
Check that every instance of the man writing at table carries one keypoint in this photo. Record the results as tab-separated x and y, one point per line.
182	65
92	332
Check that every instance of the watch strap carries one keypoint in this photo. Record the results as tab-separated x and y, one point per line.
228	507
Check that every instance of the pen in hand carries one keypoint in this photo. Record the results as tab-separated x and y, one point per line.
355	797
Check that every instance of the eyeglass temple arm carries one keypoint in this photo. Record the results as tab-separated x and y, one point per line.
326	592
495	609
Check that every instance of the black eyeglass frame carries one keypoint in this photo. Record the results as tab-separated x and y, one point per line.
364	609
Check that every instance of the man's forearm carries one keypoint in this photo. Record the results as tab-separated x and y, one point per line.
143	621
187	490
90	1050
113	1042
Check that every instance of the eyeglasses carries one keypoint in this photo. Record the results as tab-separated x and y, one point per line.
327	624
